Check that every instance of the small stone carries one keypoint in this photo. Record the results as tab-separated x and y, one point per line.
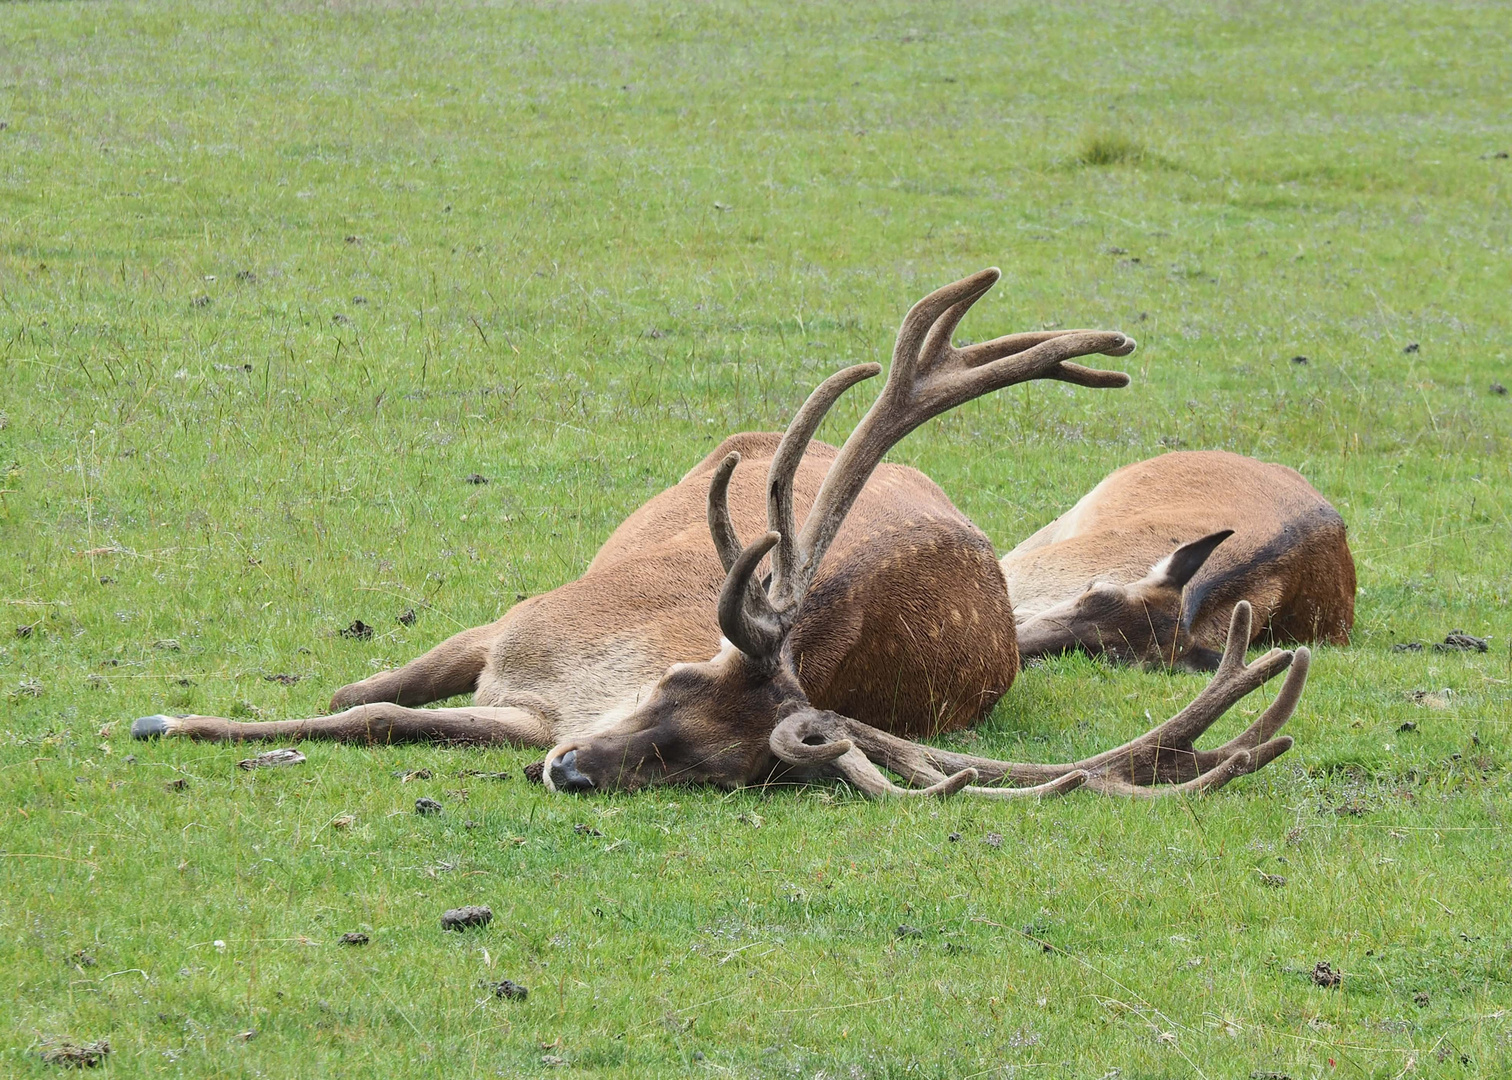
426	807
353	937
463	917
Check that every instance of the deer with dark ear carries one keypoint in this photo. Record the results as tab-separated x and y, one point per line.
1169	546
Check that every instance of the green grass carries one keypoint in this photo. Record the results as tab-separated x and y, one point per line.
590	241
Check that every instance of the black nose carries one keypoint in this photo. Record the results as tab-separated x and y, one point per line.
565	776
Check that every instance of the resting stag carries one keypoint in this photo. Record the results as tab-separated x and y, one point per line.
1147	566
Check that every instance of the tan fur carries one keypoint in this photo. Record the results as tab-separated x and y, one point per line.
1288	557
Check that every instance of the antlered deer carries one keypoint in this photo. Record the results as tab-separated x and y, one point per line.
884	617
1104	578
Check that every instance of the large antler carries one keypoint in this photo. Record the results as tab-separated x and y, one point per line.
929	376
1165	756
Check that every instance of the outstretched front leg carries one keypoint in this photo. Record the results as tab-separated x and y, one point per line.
1160	762
368	724
450	668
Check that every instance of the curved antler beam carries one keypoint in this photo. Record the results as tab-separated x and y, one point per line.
785	463
746	616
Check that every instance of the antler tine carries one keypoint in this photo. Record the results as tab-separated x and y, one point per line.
785	464
787	739
1274	718
746	616
866	777
721	527
947	305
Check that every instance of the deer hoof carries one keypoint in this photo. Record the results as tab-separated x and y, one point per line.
152	727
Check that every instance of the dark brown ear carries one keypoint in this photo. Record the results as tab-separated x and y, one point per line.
1181	565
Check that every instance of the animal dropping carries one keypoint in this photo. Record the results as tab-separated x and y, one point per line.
679	657
464	917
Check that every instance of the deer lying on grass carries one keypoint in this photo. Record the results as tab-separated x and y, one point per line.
1103	577
883	618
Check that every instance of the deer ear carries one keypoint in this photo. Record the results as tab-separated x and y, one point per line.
1181	565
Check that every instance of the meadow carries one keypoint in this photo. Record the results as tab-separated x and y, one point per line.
276	279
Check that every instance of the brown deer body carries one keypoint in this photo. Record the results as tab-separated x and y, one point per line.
908	624
883	616
1148	565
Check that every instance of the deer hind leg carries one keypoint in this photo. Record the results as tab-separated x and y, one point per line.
451	668
376	724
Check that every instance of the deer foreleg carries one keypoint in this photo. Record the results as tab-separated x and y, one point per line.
451	668
368	724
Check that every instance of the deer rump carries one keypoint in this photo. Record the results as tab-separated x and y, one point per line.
884	615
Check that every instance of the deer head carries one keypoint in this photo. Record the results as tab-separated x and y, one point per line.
1148	621
712	722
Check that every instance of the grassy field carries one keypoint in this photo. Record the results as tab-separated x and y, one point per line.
274	279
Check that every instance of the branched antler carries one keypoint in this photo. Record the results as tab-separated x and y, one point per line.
1163	761
929	376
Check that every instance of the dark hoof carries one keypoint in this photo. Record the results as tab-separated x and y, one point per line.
565	775
152	727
